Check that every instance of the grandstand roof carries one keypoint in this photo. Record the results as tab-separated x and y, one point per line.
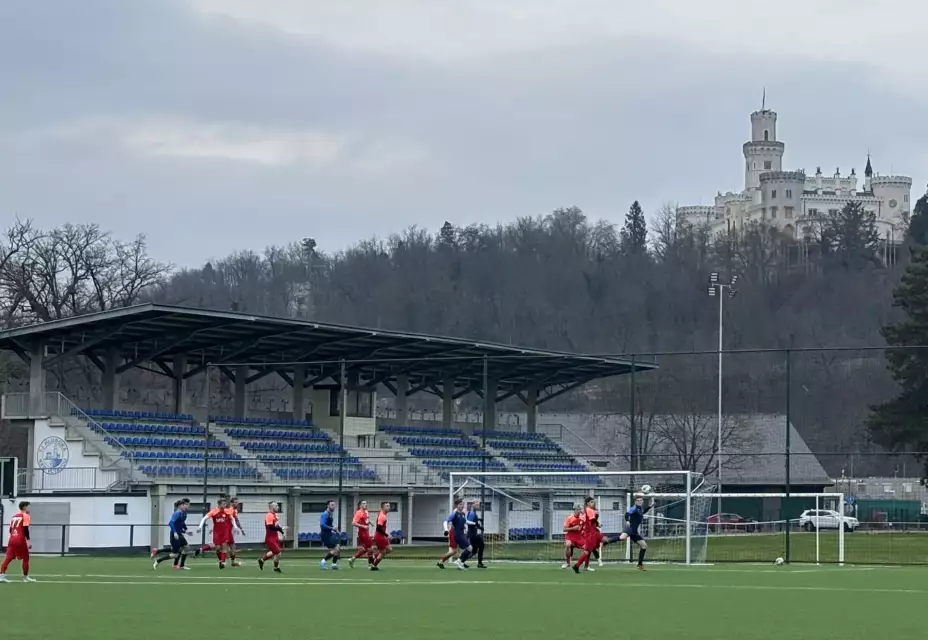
153	333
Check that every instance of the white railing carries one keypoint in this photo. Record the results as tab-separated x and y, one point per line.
23	406
68	479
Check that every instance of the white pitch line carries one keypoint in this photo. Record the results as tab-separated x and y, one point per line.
526	583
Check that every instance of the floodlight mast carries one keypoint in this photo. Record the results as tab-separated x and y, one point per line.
717	288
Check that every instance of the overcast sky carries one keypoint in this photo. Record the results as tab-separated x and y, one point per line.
215	125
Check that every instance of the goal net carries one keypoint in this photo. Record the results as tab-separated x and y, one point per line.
524	513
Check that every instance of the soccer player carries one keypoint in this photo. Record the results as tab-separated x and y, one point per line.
594	537
272	533
223	524
362	522
457	520
178	526
381	537
330	536
633	517
233	513
18	544
452	545
475	532
573	535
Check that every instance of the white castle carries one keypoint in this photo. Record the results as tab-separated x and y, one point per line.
791	200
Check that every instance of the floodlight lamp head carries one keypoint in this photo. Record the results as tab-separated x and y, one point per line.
712	291
734	279
732	293
714	278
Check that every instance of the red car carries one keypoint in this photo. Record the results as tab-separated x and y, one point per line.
731	523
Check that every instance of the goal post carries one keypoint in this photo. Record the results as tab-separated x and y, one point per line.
523	512
523	515
818	539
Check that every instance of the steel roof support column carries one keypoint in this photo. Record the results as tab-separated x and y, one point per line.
299	377
37	381
180	383
531	408
401	404
111	380
447	401
489	404
241	373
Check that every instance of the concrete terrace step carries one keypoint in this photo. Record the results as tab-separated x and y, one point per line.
233	444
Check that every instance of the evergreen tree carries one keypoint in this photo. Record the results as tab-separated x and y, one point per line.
851	237
902	423
635	232
918	224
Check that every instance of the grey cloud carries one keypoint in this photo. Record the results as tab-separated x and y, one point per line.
516	134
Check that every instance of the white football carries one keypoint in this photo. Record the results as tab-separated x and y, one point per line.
779	561
645	488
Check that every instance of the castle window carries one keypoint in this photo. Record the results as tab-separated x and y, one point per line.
766	135
773	194
905	198
789	193
773	213
768	164
788	212
813	213
763	213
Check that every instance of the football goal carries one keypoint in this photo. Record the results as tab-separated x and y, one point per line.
524	514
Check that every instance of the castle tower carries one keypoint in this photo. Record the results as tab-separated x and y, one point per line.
868	175
764	152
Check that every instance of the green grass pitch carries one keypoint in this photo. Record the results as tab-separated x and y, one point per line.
117	597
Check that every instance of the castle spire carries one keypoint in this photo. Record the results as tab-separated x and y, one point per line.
763	101
868	172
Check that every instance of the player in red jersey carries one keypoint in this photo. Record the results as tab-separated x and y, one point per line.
18	545
362	522
381	537
591	531
272	533
232	510
573	535
223	524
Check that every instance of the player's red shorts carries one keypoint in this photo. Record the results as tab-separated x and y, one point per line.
381	541
593	539
364	539
576	539
17	549
451	542
222	537
273	545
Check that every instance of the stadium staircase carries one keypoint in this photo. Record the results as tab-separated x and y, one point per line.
425	453
167	445
79	428
292	450
264	471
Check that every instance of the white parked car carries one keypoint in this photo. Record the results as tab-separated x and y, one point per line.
812	519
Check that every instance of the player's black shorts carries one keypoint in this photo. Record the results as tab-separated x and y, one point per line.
633	535
461	540
476	539
330	541
178	543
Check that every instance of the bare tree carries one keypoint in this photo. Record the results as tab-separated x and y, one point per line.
691	438
71	270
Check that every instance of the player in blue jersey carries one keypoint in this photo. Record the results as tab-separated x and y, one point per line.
457	523
633	519
178	526
330	536
475	532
